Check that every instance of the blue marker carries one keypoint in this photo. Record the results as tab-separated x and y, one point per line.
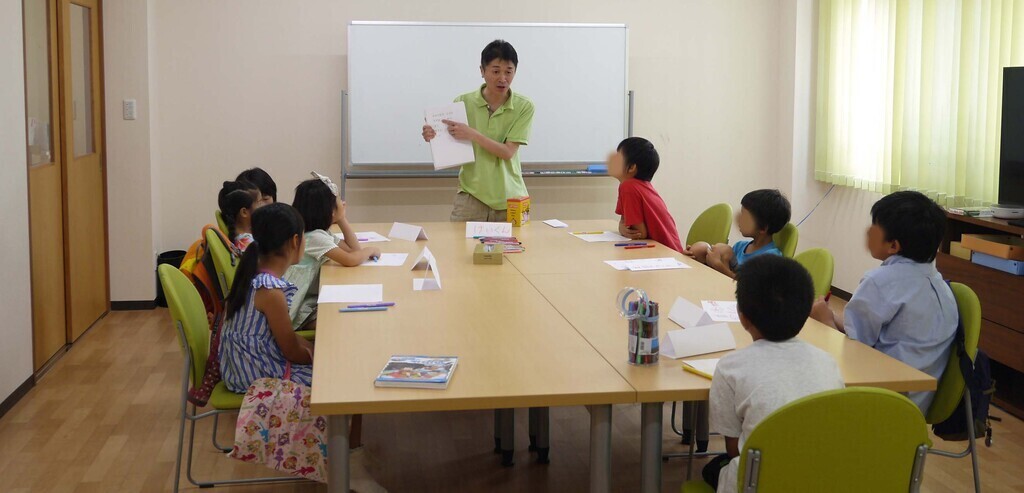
367	309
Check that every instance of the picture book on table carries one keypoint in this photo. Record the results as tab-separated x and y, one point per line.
422	372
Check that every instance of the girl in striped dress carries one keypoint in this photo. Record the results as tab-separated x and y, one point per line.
258	340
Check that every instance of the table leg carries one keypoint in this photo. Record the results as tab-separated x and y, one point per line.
338	455
508	436
540	432
650	447
600	448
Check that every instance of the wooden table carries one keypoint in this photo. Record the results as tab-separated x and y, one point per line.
515	350
548	311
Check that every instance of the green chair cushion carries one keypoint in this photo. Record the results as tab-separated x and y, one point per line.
696	487
222	398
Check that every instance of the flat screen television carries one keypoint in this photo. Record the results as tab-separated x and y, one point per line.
1011	140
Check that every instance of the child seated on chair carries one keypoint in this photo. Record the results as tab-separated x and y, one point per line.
237	201
257	340
903	308
263	182
762	214
320	205
642	212
774	296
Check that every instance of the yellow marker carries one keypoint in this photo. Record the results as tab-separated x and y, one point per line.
695	371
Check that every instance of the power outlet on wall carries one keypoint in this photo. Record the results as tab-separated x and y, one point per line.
128	107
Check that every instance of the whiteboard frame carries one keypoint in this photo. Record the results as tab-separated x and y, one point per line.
415	170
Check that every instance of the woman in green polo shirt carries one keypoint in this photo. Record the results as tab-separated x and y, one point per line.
499	122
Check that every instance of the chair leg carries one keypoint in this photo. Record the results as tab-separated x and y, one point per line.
215	442
970	439
181	424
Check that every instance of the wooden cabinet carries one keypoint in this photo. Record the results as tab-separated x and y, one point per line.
1002	307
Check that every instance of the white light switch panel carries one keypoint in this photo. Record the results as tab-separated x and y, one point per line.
129	109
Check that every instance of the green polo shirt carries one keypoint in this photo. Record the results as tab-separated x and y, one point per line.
491	179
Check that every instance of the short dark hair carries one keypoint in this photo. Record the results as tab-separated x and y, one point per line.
641	152
912	219
262	180
769	207
775	294
233	197
316	204
499	49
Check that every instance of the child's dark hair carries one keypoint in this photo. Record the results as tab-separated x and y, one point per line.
273	226
233	197
912	219
316	203
769	207
641	152
499	49
262	180
775	294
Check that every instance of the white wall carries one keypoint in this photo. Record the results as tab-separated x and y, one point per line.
234	84
15	300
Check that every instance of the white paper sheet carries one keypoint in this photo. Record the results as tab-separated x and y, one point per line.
366	237
688	315
555	223
447	151
351	293
721	311
388	260
642	264
605	236
704	339
407	232
499	230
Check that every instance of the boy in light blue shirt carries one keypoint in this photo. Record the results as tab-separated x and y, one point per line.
762	214
903	308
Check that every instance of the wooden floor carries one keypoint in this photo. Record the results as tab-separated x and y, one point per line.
105	419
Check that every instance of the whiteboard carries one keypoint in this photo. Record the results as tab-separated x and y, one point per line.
575	74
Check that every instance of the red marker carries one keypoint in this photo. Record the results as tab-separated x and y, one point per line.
634	247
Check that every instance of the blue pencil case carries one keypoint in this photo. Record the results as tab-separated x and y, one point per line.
1015	267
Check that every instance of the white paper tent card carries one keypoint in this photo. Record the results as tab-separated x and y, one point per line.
497	230
688	315
425	261
693	341
447	151
721	311
351	293
387	260
408	232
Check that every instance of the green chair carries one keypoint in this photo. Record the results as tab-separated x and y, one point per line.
712	225
951	388
786	240
189	317
224	262
847	440
821	266
221	224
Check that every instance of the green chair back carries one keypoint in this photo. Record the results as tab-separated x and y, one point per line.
950	390
221	224
188	311
223	261
820	264
854	439
712	225
786	239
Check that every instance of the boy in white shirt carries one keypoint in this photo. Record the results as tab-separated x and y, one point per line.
774	296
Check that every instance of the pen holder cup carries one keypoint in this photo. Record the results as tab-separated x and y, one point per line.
643	334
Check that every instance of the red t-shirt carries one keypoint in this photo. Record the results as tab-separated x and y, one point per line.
639	203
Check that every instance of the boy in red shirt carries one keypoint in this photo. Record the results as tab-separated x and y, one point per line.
642	211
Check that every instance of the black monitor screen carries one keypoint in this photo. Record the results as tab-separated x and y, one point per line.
1011	144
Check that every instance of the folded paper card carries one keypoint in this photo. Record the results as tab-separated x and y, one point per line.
721	311
702	339
425	261
351	293
408	232
388	260
687	314
494	230
555	223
